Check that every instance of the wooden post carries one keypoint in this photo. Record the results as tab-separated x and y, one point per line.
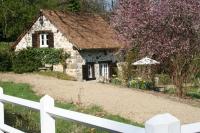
1	109
165	123
47	122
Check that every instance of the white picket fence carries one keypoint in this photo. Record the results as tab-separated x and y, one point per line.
164	123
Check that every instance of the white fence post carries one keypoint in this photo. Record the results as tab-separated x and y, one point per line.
165	123
47	122
1	110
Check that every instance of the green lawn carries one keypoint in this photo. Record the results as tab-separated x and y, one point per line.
28	120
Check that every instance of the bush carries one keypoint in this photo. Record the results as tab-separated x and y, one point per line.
31	59
140	84
116	81
26	61
194	93
5	57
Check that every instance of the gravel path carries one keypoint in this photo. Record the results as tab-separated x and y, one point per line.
131	104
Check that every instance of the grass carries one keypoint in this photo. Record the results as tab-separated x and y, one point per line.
58	75
28	120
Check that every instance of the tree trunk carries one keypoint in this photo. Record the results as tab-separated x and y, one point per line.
178	82
64	68
180	90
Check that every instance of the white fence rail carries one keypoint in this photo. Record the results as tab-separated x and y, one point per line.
165	123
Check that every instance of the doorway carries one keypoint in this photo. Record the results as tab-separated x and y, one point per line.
88	71
104	70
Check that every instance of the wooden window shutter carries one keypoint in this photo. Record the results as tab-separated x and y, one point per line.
93	71
84	72
35	40
51	40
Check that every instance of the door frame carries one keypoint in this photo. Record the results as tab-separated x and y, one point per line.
86	71
105	62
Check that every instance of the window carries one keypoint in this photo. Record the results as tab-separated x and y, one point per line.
44	37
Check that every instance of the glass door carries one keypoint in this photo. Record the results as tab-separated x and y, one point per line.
104	70
90	71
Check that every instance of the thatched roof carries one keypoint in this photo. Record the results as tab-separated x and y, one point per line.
85	31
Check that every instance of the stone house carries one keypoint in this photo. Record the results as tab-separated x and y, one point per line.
88	39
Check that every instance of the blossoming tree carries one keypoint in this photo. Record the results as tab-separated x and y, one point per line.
167	29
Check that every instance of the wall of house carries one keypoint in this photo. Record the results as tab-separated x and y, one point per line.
77	58
94	56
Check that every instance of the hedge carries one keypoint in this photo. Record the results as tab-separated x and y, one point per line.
26	61
31	59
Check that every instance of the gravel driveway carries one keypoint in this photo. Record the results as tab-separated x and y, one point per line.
135	105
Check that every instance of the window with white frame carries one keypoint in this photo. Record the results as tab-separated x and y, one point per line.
44	40
104	70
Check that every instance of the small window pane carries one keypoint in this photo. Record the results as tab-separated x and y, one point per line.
42	36
44	40
47	39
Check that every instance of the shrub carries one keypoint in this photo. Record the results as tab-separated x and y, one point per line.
140	84
194	93
5	57
26	61
116	81
133	84
31	59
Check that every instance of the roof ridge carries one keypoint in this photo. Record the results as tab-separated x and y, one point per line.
68	12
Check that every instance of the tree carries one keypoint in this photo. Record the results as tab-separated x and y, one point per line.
73	5
17	15
62	59
167	29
